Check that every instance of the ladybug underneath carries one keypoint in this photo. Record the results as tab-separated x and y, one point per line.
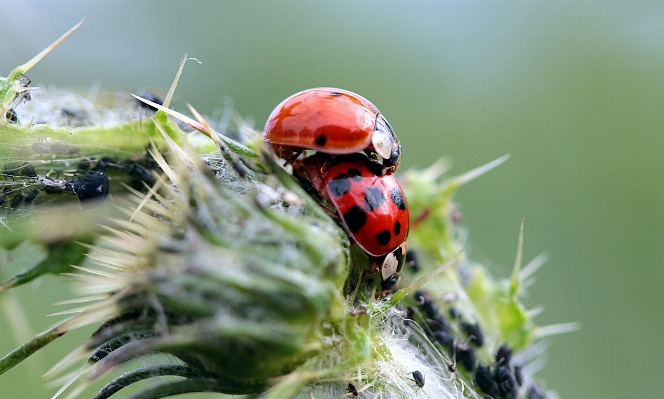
370	205
332	121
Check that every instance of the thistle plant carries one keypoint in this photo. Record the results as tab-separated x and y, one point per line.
196	251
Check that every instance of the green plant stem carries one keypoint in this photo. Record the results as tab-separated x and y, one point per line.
26	350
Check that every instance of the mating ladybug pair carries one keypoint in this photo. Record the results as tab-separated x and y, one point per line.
348	134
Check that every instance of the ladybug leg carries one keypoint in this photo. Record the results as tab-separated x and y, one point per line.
371	155
289	155
375	264
374	158
333	214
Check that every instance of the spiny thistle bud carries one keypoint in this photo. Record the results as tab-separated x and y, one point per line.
218	274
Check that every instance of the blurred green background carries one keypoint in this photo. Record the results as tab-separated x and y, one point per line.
573	90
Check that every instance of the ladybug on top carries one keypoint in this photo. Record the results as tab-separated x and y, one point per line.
332	121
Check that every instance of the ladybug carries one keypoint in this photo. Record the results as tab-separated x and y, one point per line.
331	121
370	205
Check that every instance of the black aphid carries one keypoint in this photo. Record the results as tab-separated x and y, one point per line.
418	377
92	189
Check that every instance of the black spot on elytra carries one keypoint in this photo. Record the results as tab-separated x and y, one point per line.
340	185
374	198
335	94
355	218
321	140
354	174
383	237
397	198
397	228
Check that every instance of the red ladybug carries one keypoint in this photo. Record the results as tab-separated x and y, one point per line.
332	121
370	204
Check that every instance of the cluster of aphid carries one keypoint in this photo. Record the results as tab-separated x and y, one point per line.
500	380
333	139
22	182
439	329
90	181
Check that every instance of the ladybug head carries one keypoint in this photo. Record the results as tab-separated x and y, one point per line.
390	270
386	144
392	163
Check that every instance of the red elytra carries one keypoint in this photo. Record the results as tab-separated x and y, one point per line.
371	205
332	121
